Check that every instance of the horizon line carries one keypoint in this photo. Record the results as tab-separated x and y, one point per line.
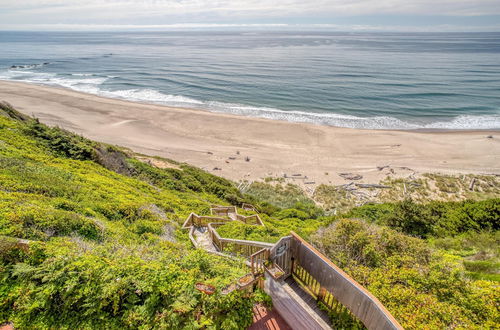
196	26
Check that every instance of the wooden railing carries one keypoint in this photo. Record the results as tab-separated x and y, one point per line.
281	254
202	221
7	243
223	210
248	207
258	260
253	219
235	246
336	290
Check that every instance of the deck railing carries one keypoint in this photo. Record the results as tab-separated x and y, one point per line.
223	210
248	207
234	246
253	219
202	221
336	290
258	260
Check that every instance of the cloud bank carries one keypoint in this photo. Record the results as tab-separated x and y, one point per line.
467	14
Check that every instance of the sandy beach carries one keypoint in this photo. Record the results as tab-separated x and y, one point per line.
220	143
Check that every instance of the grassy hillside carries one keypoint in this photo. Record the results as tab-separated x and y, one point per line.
106	251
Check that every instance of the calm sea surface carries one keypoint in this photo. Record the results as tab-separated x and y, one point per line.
364	80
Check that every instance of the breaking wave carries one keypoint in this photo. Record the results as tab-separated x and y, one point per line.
92	84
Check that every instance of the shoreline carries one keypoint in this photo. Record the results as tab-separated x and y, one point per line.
419	129
211	140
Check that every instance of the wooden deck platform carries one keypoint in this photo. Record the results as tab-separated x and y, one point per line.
265	319
306	299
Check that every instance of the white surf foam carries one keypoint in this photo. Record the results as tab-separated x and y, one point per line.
150	95
91	83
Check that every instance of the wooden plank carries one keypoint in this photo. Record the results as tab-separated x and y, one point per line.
346	290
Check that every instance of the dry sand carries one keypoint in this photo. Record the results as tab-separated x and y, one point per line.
275	148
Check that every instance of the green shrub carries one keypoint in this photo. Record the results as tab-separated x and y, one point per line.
61	141
420	287
435	218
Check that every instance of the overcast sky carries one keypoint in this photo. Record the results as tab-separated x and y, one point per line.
407	15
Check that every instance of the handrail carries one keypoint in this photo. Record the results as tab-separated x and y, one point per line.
218	210
360	302
199	220
245	219
236	246
257	261
211	226
191	236
248	207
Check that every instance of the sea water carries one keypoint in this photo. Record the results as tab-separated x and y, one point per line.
360	80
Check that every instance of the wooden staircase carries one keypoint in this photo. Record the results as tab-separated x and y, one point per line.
305	277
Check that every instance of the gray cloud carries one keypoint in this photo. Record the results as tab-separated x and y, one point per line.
224	11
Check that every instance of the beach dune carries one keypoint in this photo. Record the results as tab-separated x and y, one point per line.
243	148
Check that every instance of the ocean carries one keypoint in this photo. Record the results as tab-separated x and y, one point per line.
359	80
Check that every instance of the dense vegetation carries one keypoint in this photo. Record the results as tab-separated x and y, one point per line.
422	287
105	250
436	218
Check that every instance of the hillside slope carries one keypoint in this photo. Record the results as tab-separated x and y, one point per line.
105	251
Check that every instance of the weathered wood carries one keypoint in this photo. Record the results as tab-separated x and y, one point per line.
223	210
312	267
351	176
292	307
237	246
372	185
248	207
472	183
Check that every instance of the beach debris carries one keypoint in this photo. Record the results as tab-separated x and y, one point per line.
210	153
310	182
380	168
297	174
348	187
472	183
351	176
247	159
395	145
489	137
217	169
371	185
227	161
237	152
232	158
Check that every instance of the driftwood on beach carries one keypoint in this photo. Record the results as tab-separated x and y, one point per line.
370	185
472	183
351	176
